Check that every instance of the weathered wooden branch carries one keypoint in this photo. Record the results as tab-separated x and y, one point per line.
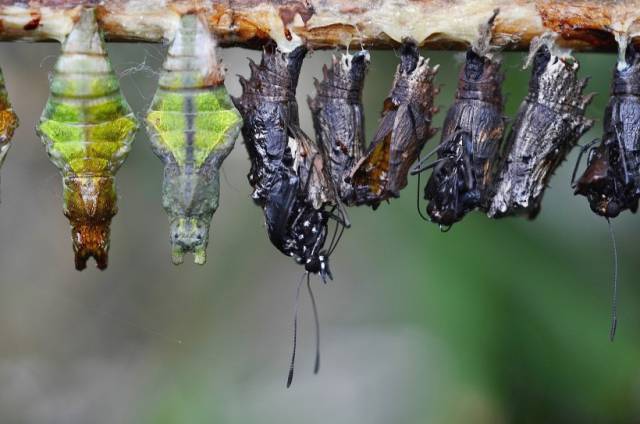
437	24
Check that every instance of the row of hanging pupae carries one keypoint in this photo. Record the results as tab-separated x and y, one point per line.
302	184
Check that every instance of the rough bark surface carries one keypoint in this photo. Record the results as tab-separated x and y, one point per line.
436	24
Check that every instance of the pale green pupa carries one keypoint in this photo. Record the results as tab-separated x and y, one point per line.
192	125
87	128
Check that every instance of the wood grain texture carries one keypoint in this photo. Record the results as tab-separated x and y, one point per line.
436	24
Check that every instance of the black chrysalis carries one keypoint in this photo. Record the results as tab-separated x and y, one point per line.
611	181
338	116
549	124
402	132
290	180
471	137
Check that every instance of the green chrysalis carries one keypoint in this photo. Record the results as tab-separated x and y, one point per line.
8	120
87	128
192	125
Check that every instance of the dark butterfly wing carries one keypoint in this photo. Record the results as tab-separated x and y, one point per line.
279	209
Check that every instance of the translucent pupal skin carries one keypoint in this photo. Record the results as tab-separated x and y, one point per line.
8	120
403	131
549	123
192	125
338	116
288	171
611	181
87	128
471	136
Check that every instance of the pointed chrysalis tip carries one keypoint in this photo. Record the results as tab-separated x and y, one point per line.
90	240
177	256
199	255
189	235
482	45
549	40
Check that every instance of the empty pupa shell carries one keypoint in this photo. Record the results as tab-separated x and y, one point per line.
8	120
549	124
87	128
192	125
403	131
338	116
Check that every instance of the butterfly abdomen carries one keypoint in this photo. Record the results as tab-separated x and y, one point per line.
87	128
193	126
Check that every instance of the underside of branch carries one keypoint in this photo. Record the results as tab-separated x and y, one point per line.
435	24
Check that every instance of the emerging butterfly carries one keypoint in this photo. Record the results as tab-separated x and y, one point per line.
471	137
288	171
611	181
403	131
8	120
87	128
338	117
193	126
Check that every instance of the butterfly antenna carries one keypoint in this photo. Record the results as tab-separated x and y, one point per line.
335	234
419	166
614	300
424	218
583	149
295	331
316	366
334	243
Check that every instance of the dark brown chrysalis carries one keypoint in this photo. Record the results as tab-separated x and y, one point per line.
471	137
549	124
403	131
611	181
338	116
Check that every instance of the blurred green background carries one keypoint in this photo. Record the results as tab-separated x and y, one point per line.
493	322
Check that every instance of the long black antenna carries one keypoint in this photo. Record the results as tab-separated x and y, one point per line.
295	331
424	218
316	366
614	300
